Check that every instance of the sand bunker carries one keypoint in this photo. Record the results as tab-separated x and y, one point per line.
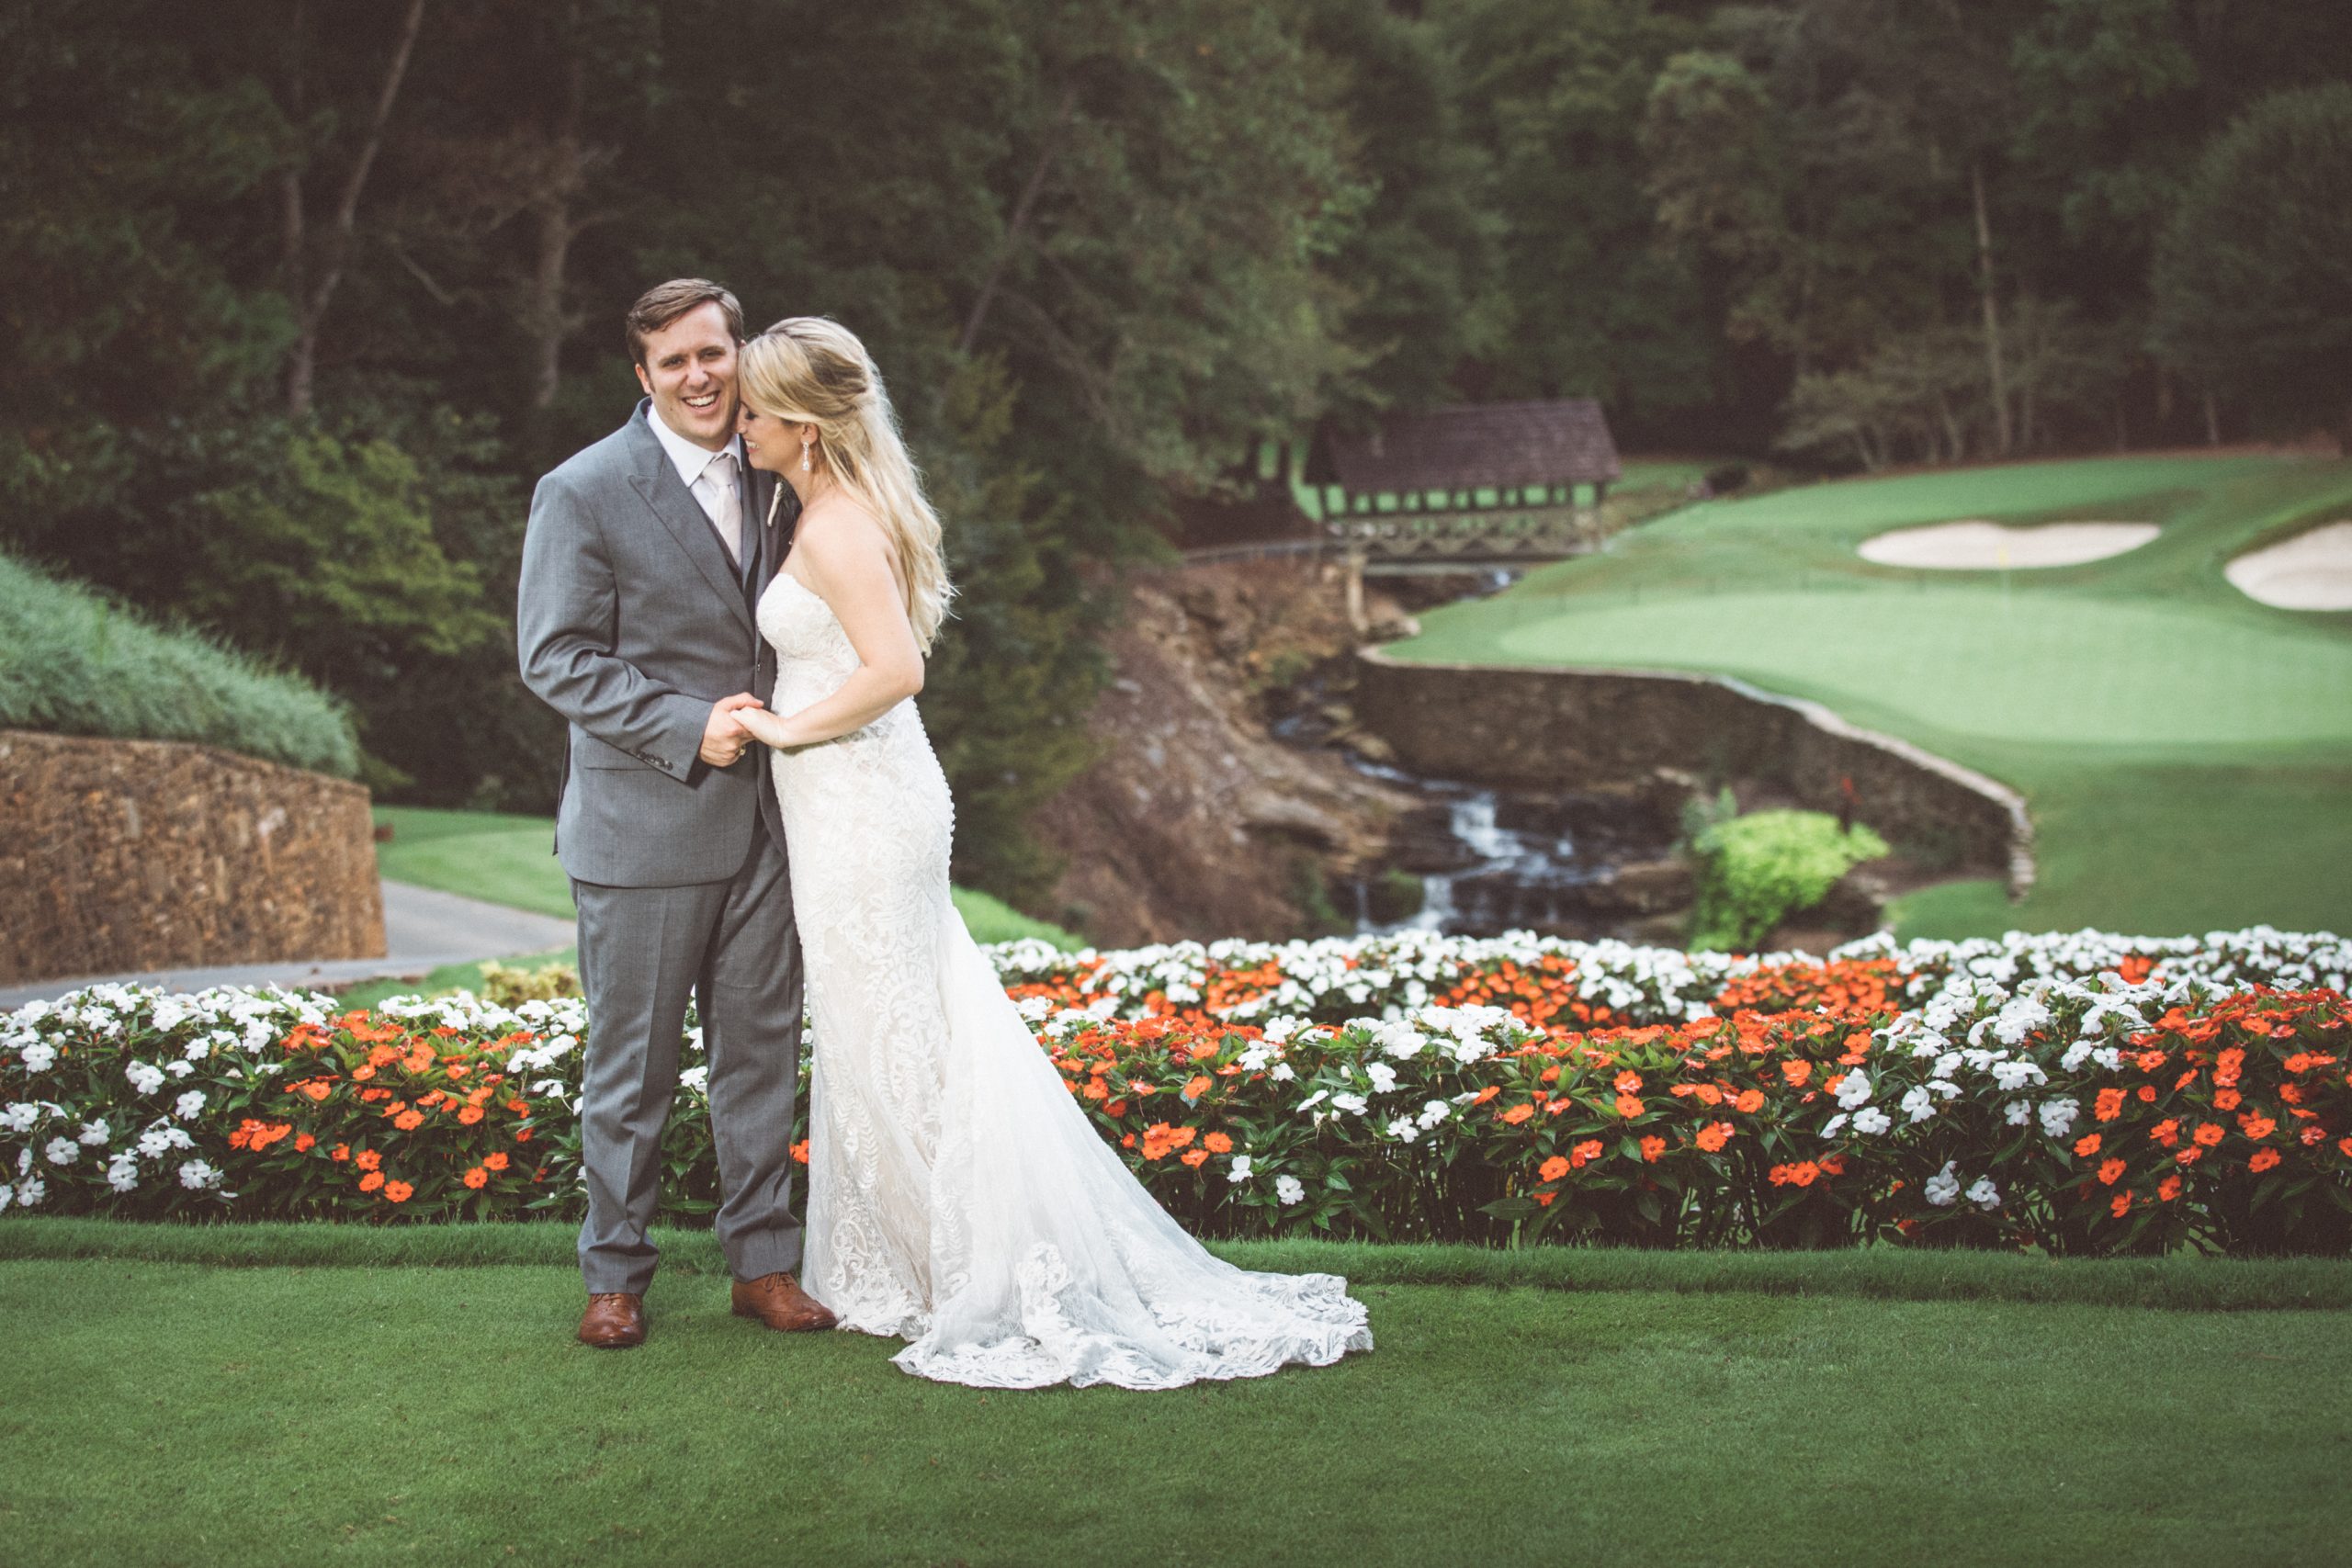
2311	571
1977	546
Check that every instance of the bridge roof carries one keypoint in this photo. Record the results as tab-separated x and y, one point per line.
1479	444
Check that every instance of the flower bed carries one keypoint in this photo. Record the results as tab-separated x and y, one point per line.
2086	1094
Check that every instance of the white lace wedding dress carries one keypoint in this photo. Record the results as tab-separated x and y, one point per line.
959	1197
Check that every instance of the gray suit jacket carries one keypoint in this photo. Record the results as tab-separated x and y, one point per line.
632	621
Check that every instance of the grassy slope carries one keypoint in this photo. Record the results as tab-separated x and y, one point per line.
2186	751
510	859
168	1413
76	664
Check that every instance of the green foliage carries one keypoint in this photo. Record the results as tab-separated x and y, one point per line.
74	664
2254	276
1756	870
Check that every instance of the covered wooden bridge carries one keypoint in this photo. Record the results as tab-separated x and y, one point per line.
1483	484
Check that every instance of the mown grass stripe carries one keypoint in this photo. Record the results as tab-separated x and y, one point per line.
2182	1282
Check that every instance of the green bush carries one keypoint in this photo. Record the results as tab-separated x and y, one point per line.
1756	870
74	664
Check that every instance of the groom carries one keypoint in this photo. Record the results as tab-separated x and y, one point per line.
642	567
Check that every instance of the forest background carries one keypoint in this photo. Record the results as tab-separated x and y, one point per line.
301	296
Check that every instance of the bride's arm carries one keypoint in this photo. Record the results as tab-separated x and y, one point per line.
848	563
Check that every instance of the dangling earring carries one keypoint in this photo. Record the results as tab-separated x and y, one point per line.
803	455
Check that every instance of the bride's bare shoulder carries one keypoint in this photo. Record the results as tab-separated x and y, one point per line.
841	540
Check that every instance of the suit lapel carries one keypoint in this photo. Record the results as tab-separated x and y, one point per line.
656	480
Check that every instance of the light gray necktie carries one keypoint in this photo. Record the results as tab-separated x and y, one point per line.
717	486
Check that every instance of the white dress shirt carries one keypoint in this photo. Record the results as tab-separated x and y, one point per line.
710	478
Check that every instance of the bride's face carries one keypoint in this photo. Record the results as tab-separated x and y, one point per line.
770	442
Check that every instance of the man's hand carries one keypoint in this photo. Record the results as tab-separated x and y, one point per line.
724	736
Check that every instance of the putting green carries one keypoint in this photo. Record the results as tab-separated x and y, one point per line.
2069	669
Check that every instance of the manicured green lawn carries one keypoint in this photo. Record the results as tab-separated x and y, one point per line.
511	861
173	1413
2187	751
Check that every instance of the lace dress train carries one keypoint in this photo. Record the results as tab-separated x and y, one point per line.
959	1197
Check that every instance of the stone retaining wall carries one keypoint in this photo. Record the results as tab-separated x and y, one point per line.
123	855
1576	728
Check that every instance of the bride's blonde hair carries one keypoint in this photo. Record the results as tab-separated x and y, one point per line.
809	370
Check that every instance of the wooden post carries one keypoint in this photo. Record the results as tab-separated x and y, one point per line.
1355	562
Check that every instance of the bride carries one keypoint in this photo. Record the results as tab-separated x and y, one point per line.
959	1197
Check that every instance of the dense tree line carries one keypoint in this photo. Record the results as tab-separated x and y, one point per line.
302	293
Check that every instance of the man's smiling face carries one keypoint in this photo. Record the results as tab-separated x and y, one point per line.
689	372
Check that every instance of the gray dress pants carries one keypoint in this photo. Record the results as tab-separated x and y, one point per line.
733	947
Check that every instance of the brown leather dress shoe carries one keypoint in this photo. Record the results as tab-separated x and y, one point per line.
778	1301
614	1321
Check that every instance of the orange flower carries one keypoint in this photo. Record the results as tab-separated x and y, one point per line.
477	1177
2148	1094
2255	1126
408	1121
1653	1146
2109	1171
1116	1108
1750	1101
1627	1082
2109	1104
2168	1189
469	1114
1486	1094
2122	1206
342	1151
398	1191
2210	1133
369	1182
1714	1136
1196	1158
1517	1114
1553	1170
363	1073
2226	1100
1801	1173
2086	1145
1796	1072
369	1159
520	1108
2191	1155
302	1141
1584	1153
1094	1089
2263	1159
1197	1085
1217	1143
498	1160
1628	1106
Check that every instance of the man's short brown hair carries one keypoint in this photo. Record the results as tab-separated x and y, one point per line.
665	302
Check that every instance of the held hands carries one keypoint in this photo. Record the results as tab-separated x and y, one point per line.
724	737
769	729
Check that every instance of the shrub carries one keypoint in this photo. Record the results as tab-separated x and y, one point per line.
1755	871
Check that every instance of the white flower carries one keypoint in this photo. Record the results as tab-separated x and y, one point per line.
1983	1194
1871	1121
20	1117
1354	1104
1830	1128
1280	1073
1918	1104
1383	1077
94	1132
61	1151
1278	1031
195	1175
1239	1172
1943	1187
1034	1008
188	1104
2015	1076
1434	1112
122	1172
197	1049
1312	1100
39	1057
168	1015
1289	1189
1854	1089
31	1190
2017	1113
696	1078
2058	1116
1403	1130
